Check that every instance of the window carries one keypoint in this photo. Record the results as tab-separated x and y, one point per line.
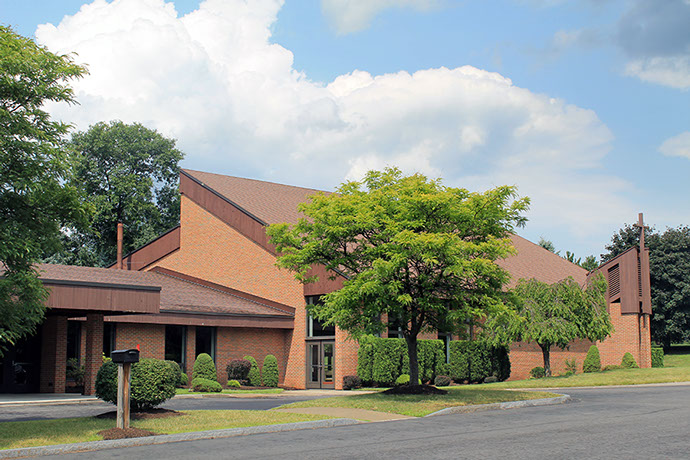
74	340
316	328
176	344
109	338
395	330
206	341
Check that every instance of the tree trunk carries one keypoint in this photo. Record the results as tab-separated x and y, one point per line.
414	362
546	353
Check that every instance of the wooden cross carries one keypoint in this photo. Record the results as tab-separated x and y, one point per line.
640	224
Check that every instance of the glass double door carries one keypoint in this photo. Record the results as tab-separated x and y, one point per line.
321	364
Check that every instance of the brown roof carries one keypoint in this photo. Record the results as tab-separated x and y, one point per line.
176	294
533	261
269	202
274	203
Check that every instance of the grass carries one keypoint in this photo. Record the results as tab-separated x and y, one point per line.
66	431
676	369
227	391
421	405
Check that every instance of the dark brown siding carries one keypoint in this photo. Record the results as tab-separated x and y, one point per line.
153	251
227	211
207	320
102	298
324	285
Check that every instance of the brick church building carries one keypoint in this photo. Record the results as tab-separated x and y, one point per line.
211	285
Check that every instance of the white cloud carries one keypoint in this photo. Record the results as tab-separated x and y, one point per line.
673	71
349	16
677	146
213	80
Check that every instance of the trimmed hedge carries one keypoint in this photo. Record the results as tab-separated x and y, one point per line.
270	371
233	384
204	368
254	375
177	370
351	382
629	362
592	361
381	361
238	369
206	385
537	372
153	382
657	357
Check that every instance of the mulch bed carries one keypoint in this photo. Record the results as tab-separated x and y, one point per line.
415	390
143	414
122	433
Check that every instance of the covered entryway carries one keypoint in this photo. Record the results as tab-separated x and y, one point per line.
321	364
20	367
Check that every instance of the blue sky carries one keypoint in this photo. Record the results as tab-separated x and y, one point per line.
584	105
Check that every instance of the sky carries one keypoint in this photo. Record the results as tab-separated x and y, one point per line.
583	105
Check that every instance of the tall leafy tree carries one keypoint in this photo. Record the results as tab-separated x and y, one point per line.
669	264
129	174
556	314
35	198
409	248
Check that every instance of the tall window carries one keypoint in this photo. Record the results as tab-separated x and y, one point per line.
206	340
74	340
109	338
176	344
395	330
316	328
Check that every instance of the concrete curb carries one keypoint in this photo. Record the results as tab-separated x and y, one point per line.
167	438
503	406
49	402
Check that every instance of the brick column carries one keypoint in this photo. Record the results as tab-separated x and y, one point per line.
645	342
54	354
190	352
94	351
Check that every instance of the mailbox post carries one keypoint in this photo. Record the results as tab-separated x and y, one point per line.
124	360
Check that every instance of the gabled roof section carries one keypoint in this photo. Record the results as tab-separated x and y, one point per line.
268	202
533	261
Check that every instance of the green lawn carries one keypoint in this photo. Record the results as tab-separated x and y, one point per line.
421	405
66	431
185	391
677	369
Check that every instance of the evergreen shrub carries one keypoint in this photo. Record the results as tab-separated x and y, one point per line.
570	366
177	371
629	362
537	372
206	385
351	382
404	379
233	384
184	380
152	383
254	375
612	367
204	368
269	371
238	369
442	381
592	361
657	357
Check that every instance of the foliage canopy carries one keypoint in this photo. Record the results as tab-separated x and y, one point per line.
35	200
409	248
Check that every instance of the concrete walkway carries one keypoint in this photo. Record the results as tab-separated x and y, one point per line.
45	398
345	412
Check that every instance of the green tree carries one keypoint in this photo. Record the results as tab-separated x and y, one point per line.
669	264
556	314
129	174
35	200
409	248
548	245
590	263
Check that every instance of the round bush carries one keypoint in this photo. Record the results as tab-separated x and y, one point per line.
204	368
206	385
238	369
350	382
404	379
152	383
442	381
177	371
537	373
592	360
183	380
628	362
269	371
254	375
233	384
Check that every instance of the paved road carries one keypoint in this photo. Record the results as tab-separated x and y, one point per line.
44	412
604	423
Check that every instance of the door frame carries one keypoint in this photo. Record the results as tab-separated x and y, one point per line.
319	346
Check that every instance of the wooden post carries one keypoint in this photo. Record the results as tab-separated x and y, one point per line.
123	374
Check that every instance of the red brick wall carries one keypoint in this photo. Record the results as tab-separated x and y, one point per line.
345	357
149	337
236	343
53	354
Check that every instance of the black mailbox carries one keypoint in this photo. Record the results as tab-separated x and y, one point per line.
125	356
